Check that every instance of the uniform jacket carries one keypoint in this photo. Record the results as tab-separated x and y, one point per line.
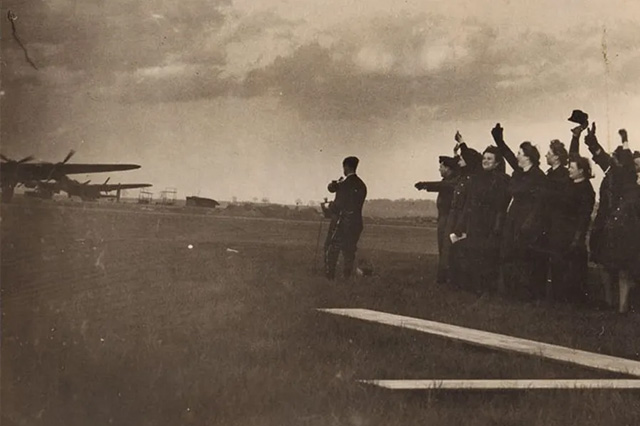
350	196
473	160
524	227
617	177
572	215
486	207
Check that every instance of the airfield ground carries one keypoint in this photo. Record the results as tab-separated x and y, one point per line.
108	318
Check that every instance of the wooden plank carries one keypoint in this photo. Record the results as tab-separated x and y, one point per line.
496	341
505	384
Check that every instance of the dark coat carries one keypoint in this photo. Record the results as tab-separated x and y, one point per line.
473	159
444	188
350	196
486	207
475	260
524	226
560	174
618	175
621	241
557	182
572	215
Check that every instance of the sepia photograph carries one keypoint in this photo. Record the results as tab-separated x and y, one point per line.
311	213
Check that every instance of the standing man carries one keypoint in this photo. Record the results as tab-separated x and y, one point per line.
444	188
347	208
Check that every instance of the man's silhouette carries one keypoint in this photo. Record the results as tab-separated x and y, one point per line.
346	225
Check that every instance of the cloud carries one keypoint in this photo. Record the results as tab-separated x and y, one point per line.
112	36
174	83
377	65
451	68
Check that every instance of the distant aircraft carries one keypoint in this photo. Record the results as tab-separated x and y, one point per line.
13	173
86	191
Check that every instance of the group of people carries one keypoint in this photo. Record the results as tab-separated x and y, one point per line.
531	234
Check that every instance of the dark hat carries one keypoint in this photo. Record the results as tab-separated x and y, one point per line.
449	162
579	117
473	159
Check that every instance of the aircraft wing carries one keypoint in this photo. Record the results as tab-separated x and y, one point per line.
70	169
115	187
43	171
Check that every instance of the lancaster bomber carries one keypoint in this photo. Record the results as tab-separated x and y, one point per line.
85	190
33	175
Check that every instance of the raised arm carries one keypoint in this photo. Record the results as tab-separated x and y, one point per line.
626	156
334	185
498	136
574	148
599	155
461	146
439	186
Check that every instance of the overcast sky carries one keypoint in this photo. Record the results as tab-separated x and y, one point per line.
260	99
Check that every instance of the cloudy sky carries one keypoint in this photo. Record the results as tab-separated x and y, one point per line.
242	98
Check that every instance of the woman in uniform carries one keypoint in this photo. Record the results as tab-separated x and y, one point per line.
483	219
568	231
523	272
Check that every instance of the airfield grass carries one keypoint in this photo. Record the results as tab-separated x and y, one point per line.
108	318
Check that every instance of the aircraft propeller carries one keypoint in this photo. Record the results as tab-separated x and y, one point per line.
11	162
24	160
67	158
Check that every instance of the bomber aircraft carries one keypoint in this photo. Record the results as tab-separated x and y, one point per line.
23	172
85	190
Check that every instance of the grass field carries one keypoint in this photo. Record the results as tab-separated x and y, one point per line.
108	318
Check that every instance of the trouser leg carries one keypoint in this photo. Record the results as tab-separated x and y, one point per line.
349	248
458	270
331	252
442	258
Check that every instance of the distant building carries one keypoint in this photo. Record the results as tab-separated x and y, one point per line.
202	202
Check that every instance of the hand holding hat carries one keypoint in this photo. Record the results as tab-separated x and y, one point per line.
579	117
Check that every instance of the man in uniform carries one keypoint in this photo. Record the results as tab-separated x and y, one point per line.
346	225
444	188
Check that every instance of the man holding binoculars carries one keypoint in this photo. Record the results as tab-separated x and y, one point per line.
346	219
